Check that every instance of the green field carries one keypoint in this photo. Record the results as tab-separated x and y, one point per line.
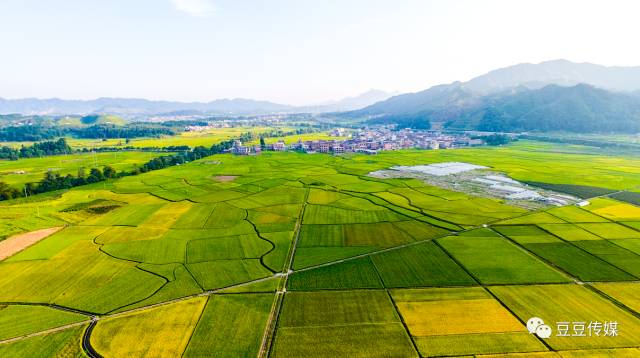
356	273
352	323
289	254
18	320
421	265
65	343
231	325
579	263
514	266
192	139
19	172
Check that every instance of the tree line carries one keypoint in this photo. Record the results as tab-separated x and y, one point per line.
35	150
36	133
53	181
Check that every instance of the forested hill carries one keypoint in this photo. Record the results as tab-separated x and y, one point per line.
581	108
553	95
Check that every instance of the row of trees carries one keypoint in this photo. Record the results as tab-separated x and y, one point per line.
40	149
35	133
55	181
102	131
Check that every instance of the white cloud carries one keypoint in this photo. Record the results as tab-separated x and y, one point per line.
199	8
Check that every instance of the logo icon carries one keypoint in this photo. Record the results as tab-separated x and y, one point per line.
536	326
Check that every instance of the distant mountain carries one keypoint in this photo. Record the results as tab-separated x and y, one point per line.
439	102
139	107
592	92
560	72
581	108
350	103
127	106
459	95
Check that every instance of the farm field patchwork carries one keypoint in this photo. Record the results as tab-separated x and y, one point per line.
231	325
611	231
186	255
570	303
158	331
353	323
615	210
575	214
569	232
65	343
579	263
515	265
420	265
439	321
17	320
627	293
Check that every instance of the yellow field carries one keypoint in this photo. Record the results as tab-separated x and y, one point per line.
458	317
521	355
324	197
304	137
603	353
158	332
627	293
117	234
615	353
459	321
166	216
15	145
571	303
192	139
619	212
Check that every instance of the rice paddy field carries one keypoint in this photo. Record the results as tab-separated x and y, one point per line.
205	138
19	172
306	255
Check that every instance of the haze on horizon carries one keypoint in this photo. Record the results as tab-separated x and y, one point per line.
292	51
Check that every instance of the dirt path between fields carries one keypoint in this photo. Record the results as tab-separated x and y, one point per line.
225	178
17	243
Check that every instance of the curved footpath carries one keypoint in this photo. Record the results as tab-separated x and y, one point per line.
17	243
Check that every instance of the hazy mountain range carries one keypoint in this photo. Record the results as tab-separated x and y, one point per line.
130	106
133	107
350	103
553	95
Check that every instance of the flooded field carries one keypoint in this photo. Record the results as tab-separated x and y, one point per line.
478	180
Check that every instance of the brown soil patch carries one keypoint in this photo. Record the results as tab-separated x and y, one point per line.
17	243
225	178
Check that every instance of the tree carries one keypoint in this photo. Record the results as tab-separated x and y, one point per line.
263	145
497	139
7	192
109	172
95	175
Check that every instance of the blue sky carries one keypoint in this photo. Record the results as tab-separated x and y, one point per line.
292	51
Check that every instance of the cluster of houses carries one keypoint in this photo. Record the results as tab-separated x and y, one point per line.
367	141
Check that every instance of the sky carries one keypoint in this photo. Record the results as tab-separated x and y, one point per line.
293	51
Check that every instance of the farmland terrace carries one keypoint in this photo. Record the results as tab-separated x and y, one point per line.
294	255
